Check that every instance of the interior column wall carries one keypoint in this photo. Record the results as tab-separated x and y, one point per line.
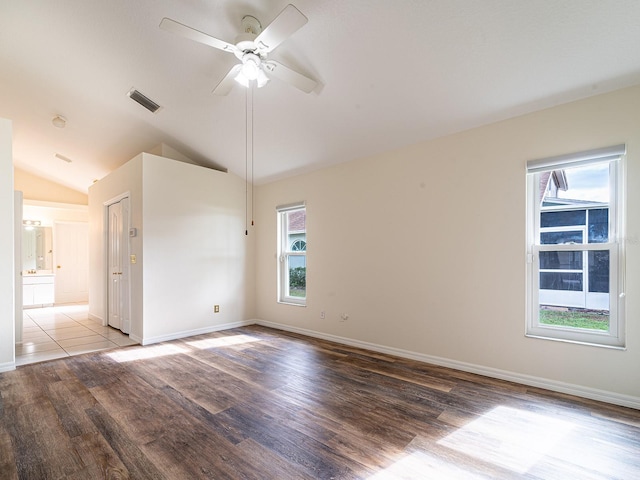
196	254
190	247
127	179
7	256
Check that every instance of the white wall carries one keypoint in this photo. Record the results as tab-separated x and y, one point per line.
127	179
424	249
7	260
195	250
191	251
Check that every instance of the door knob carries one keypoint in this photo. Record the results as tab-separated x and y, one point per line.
58	266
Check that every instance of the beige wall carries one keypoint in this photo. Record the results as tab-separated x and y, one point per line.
424	249
34	187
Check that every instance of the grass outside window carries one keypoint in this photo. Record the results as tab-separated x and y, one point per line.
578	318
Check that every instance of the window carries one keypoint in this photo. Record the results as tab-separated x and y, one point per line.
292	254
575	253
298	246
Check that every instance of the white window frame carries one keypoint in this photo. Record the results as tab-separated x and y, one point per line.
285	253
614	337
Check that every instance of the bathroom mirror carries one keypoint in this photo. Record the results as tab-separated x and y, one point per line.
37	248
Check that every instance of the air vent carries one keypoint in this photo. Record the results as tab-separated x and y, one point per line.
143	100
63	158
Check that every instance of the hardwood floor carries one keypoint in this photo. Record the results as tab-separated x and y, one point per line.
263	404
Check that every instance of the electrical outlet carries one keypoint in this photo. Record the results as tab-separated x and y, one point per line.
216	309
322	315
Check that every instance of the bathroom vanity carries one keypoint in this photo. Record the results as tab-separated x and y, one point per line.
37	289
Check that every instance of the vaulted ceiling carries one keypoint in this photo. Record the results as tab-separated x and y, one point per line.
390	73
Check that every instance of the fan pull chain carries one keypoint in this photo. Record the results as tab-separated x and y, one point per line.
246	163
252	184
248	135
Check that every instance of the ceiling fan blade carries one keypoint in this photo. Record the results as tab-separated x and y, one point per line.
227	83
284	25
292	77
196	35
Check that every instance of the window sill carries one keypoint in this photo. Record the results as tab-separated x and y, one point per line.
577	342
293	304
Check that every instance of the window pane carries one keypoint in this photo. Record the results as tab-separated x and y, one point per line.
563	219
561	281
599	271
298	245
560	261
599	225
589	183
297	276
559	238
296	221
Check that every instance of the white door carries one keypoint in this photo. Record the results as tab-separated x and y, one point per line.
118	265
71	250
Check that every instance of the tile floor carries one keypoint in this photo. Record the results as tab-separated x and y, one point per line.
61	331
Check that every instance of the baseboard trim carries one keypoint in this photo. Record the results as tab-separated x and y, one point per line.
96	318
553	385
191	333
7	367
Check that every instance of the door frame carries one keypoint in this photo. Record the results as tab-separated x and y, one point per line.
17	245
105	260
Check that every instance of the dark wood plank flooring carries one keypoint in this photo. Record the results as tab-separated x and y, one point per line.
258	403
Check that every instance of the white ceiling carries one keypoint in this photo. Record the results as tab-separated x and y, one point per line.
392	73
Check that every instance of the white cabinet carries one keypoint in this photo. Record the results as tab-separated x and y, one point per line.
37	290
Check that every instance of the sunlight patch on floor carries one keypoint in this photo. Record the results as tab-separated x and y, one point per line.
144	353
510	438
422	465
154	351
222	341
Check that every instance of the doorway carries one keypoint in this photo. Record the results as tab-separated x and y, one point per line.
118	294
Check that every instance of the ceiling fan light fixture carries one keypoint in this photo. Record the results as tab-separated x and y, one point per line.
262	79
252	47
242	79
250	66
251	71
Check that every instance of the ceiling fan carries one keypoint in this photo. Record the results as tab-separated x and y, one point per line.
252	48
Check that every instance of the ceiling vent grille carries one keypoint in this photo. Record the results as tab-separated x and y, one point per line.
143	100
